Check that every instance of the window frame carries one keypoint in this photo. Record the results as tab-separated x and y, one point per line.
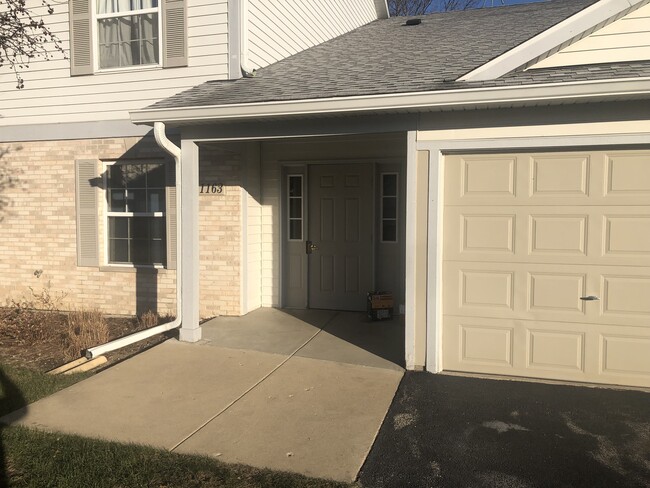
95	18
107	214
302	207
382	219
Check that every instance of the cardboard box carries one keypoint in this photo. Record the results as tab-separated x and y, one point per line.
380	305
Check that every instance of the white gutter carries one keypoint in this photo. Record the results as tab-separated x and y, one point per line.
433	100
173	150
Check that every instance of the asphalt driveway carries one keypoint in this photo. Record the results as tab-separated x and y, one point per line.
451	431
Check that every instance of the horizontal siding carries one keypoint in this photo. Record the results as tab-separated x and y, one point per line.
279	29
627	39
52	96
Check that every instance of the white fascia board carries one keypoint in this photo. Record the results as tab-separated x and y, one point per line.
437	100
381	7
549	39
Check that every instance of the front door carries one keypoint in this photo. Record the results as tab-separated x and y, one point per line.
340	235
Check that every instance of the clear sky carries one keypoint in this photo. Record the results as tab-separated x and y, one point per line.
487	3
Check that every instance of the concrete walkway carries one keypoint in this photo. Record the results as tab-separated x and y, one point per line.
270	390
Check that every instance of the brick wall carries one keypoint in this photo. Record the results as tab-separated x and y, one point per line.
38	230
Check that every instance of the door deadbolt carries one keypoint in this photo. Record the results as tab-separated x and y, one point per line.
310	247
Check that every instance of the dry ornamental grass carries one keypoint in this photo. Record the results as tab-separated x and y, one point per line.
86	328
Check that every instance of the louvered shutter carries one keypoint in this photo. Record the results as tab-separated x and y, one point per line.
87	221
81	43
171	215
174	33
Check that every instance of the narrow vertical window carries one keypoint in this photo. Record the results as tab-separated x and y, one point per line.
389	207
294	205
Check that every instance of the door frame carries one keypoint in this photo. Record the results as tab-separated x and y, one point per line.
289	168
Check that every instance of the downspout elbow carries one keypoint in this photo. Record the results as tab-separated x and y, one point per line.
175	152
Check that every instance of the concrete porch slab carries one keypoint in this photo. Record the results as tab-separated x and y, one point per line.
156	398
253	402
346	337
317	418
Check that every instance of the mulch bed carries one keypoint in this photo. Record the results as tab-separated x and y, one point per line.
38	343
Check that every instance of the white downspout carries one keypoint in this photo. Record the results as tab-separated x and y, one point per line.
175	151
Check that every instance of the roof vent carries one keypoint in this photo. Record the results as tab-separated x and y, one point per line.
413	21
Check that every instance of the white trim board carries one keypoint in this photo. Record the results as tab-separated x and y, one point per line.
549	40
545	94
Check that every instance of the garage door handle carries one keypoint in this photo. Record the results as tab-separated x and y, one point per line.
589	298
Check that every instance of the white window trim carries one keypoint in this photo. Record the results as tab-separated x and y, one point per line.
106	214
381	207
302	206
95	39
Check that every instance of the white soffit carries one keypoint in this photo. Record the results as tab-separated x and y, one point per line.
535	48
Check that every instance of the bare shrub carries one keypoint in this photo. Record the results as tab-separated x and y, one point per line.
30	318
147	320
86	328
151	319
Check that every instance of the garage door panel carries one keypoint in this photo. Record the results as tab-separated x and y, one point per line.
560	175
548	292
589	178
628	176
548	350
625	355
556	350
527	236
589	235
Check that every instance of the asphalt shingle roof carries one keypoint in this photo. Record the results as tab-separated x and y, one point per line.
387	56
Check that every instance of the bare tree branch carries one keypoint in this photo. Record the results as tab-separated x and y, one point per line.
419	7
25	37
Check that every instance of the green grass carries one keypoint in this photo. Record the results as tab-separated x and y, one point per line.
39	459
21	386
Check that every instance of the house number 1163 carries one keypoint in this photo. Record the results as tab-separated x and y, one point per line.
211	189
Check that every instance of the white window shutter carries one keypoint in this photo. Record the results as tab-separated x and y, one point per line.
174	33
171	215
81	39
87	220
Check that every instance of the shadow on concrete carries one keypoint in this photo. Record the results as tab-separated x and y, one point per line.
11	400
345	337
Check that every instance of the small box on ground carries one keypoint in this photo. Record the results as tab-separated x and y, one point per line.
380	305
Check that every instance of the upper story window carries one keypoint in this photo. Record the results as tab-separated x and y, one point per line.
136	213
128	33
114	34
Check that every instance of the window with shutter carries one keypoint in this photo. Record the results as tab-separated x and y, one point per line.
127	34
135	196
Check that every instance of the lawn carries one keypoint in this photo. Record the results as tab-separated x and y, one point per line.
39	459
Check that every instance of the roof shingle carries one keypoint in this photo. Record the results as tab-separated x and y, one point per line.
388	57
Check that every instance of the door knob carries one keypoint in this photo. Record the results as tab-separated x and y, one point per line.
311	247
590	298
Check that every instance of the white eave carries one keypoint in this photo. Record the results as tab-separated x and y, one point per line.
545	42
521	95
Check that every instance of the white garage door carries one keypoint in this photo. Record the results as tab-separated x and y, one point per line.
528	239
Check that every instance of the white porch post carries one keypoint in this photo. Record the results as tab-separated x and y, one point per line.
190	330
417	168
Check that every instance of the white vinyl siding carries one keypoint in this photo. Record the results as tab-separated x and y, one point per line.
627	39
51	95
279	29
